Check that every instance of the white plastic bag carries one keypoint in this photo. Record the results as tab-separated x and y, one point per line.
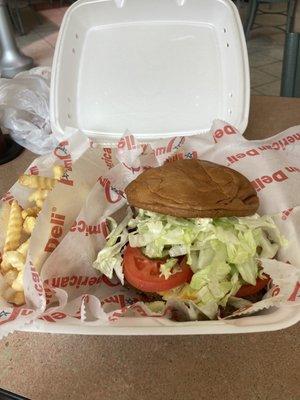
24	109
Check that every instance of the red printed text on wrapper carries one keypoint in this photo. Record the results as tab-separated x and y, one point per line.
57	222
63	154
93	145
53	317
281	144
127	142
278	176
83	227
79	280
107	157
56	316
76	282
115	299
225	131
174	144
296	292
38	286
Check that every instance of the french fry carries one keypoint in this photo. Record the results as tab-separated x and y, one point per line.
5	266
19	299
23	249
29	224
11	276
20	221
17	284
58	171
40	203
39	194
13	296
14	259
30	212
9	294
14	229
37	182
4	219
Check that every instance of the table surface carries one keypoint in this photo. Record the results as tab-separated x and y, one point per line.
249	366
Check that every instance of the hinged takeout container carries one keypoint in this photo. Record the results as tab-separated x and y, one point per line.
155	67
159	68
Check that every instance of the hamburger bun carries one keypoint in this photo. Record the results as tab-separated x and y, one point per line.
192	189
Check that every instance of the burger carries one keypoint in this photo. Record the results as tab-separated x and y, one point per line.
192	233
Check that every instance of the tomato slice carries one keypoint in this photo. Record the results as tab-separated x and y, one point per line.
250	290
143	272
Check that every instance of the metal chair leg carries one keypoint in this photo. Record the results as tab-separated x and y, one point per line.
11	17
12	60
290	15
289	66
252	10
19	18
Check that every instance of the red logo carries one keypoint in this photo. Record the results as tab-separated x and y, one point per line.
112	194
286	213
34	170
8	198
61	152
6	316
172	145
181	156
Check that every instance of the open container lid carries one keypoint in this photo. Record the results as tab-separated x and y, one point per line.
158	68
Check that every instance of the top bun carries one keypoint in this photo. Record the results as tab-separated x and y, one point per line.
192	189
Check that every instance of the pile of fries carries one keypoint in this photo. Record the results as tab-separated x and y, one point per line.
21	223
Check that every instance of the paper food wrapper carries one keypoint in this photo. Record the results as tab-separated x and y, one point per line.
60	283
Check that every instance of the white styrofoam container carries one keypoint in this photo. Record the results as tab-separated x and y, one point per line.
269	320
158	68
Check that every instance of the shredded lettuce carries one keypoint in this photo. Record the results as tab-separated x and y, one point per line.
109	259
167	269
223	253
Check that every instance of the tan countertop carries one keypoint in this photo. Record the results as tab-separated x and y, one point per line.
247	367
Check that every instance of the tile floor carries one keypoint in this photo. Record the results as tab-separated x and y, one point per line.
265	46
265	50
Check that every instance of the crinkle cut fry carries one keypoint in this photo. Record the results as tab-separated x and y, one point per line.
37	182
14	228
